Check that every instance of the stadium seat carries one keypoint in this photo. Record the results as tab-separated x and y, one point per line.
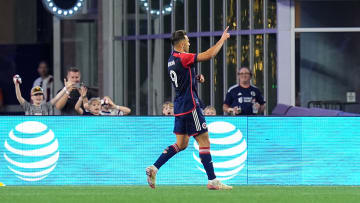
298	111
348	114
323	112
280	109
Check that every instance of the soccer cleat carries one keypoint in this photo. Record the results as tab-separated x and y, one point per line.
2	184
151	176
217	185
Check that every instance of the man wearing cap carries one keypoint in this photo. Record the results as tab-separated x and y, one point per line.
38	106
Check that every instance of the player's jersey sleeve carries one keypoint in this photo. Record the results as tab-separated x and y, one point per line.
228	99
187	59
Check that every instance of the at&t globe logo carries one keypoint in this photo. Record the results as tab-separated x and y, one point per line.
31	151
228	150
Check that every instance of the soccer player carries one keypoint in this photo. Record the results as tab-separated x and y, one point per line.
189	120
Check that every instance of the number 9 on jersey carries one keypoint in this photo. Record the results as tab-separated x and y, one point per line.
173	77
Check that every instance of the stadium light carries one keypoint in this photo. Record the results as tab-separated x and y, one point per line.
167	9
61	8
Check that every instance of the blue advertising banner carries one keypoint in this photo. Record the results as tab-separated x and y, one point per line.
55	150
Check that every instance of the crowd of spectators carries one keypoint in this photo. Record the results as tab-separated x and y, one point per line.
75	99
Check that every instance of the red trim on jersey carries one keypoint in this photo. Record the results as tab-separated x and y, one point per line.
193	134
176	133
186	58
192	96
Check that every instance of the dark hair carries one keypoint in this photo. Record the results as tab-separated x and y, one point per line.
177	36
244	67
73	69
43	61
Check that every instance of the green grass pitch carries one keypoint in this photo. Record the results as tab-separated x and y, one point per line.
174	194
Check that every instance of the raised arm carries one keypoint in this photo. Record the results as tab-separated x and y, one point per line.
83	91
60	103
78	106
124	109
18	92
61	93
212	51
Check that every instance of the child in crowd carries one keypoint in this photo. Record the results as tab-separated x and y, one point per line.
108	108
38	106
168	109
210	111
94	104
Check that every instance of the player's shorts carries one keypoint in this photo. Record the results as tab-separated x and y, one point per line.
191	124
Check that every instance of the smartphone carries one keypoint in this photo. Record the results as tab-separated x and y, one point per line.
78	85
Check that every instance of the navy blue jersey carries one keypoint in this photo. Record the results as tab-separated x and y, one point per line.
182	72
243	98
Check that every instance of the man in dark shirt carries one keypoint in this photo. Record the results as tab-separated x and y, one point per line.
66	103
244	98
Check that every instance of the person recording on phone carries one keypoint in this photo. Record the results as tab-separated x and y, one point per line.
66	103
243	98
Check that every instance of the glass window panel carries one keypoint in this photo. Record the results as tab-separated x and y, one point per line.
258	14
130	17
167	16
258	67
155	20
155	5
205	15
154	78
79	49
271	9
245	51
179	15
334	13
143	20
167	82
231	14
160	80
144	78
192	17
118	72
205	70
245	23
218	14
219	79
272	72
118	18
193	45
327	67
231	61
131	75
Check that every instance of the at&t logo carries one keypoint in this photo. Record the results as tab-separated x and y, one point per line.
230	150
31	151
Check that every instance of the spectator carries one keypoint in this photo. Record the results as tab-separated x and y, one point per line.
210	111
168	109
45	81
243	98
108	108
66	103
38	105
94	104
